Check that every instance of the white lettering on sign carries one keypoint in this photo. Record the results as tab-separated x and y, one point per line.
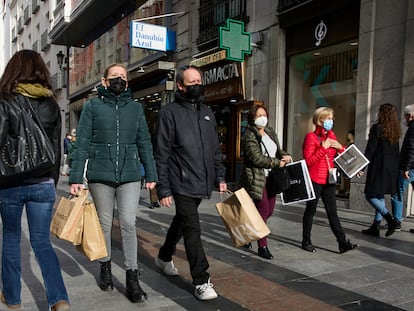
148	36
350	160
219	74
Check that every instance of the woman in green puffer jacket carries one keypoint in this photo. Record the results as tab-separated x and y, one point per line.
262	152
113	136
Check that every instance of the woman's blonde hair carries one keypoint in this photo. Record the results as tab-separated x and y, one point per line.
321	113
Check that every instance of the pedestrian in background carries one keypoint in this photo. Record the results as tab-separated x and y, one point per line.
382	151
113	136
188	158
71	149
66	142
319	150
27	74
261	152
406	166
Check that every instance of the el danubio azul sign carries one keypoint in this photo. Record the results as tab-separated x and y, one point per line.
152	37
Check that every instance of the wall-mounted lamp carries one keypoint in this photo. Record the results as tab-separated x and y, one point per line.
141	70
62	61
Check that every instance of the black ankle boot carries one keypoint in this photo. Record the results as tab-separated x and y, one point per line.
105	282
264	252
374	230
134	291
346	246
391	224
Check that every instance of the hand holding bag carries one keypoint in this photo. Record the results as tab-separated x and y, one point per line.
67	221
241	218
93	240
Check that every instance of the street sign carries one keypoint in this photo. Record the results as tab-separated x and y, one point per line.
152	37
235	40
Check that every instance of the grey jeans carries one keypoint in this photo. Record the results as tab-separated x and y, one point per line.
126	197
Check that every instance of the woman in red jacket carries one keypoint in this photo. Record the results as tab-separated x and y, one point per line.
319	149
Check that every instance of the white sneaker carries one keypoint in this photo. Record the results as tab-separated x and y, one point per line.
205	291
167	267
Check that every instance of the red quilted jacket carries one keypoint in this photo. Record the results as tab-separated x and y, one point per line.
316	156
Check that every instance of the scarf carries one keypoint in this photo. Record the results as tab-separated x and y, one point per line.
35	90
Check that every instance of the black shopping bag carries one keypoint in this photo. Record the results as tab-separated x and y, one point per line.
300	186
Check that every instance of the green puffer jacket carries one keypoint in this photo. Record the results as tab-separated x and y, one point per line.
113	136
252	177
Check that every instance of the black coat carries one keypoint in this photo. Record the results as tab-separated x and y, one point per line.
383	167
407	149
187	150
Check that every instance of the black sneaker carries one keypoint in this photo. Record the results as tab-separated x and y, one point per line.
397	226
308	248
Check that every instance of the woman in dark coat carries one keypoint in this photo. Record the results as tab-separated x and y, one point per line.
383	153
262	152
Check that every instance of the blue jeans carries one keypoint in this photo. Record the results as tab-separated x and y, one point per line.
397	199
377	201
127	200
39	200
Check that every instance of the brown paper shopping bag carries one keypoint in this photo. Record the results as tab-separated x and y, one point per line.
242	220
93	240
67	221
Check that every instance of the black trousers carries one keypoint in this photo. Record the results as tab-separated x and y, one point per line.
186	224
327	193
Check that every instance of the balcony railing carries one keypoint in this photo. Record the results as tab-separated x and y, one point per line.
35	6
44	41
213	14
27	14
20	25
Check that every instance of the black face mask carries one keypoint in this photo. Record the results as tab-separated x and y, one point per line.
117	85
194	91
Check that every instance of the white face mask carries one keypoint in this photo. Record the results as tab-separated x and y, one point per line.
260	122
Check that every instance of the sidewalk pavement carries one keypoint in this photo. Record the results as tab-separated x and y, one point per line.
378	275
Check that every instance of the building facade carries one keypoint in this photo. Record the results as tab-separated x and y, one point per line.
25	24
351	55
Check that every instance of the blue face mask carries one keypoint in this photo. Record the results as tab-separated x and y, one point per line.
328	125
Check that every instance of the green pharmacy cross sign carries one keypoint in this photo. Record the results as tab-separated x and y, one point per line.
235	40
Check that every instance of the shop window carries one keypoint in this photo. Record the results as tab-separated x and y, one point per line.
323	77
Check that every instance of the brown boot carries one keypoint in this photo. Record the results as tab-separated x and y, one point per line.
11	307
61	305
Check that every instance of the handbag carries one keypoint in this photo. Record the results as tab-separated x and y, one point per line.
93	243
277	181
67	221
241	218
334	176
26	150
300	185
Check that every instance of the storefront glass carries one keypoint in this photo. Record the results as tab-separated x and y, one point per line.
323	77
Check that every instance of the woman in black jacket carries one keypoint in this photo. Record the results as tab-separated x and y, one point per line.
26	74
383	153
